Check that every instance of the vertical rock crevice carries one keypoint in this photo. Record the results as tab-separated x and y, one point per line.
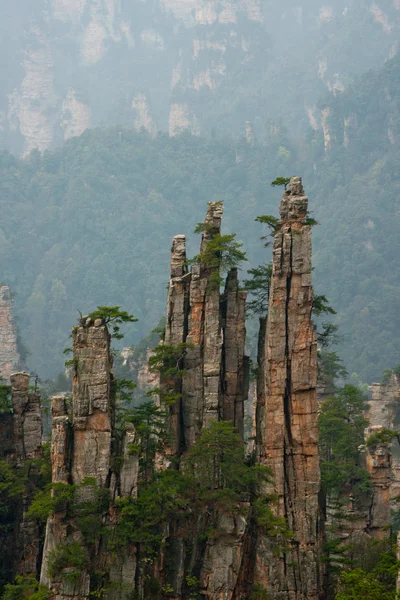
287	407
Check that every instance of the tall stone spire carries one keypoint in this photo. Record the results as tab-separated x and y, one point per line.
287	406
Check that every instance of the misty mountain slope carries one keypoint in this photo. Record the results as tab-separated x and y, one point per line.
357	191
92	222
66	65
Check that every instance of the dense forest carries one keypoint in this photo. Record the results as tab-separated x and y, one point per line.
91	223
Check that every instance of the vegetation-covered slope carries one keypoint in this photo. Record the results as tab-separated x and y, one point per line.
356	190
91	223
66	65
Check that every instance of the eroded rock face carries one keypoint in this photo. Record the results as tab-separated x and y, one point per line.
26	445
92	402
287	407
27	419
378	462
10	360
84	445
215	382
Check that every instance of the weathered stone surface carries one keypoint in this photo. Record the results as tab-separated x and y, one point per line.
234	364
27	419
81	445
26	445
175	333
61	441
223	558
287	408
10	360
379	465
91	403
130	464
382	404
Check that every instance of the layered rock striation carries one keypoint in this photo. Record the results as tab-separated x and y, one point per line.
211	325
287	435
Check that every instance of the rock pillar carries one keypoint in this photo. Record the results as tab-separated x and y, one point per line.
81	448
378	462
287	440
10	359
92	405
27	419
176	332
235	367
27	445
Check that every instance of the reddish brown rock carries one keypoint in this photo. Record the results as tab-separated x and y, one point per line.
287	408
235	365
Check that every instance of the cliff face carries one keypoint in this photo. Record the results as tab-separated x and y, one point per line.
204	51
21	448
212	325
10	360
287	408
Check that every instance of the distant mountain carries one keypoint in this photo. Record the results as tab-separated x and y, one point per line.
226	66
355	159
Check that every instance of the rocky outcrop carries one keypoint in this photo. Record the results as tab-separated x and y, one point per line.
26	446
381	407
212	326
378	462
10	360
27	420
92	403
81	447
84	449
287	408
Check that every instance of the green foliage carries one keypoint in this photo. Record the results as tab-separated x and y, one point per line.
214	476
25	587
259	287
162	499
114	316
5	398
341	432
259	592
310	221
86	503
328	335
320	306
150	426
377	584
167	360
384	436
217	466
68	555
220	254
281	181
387	373
330	368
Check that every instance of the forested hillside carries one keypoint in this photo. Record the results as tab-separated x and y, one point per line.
170	65
356	190
91	223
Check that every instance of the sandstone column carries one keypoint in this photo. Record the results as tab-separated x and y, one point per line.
235	365
27	445
91	402
287	407
201	382
176	331
378	459
81	447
